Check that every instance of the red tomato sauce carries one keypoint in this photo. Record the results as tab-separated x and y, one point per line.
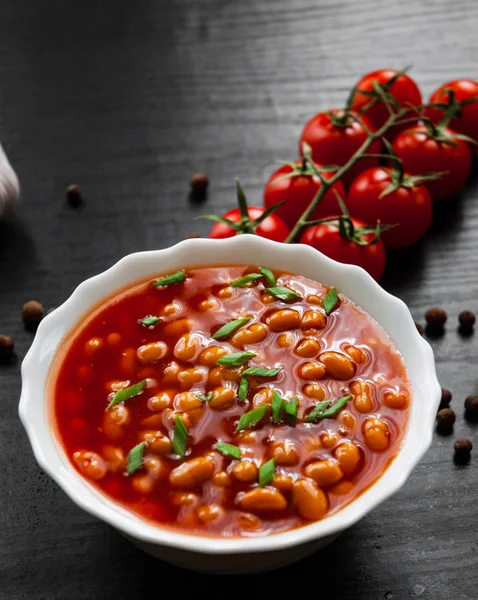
318	467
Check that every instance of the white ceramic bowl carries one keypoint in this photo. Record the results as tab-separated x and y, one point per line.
216	554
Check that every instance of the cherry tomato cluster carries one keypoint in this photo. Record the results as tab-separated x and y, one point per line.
368	174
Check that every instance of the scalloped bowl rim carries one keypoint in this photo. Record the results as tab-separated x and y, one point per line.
353	281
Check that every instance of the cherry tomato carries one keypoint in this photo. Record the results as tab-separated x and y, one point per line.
326	238
272	228
297	192
334	137
409	205
467	120
404	90
422	153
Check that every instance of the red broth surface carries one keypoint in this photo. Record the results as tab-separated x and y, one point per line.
318	467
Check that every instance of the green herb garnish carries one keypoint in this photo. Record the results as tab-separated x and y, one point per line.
261	372
135	458
249	419
180	439
246	280
269	277
243	389
290	408
277	407
331	300
235	359
327	409
205	397
149	321
170	279
229	328
266	472
228	450
283	293
127	393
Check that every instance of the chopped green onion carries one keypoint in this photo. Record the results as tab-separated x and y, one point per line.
283	293
249	419
331	300
327	409
266	472
205	397
290	408
261	372
228	450
243	389
127	393
277	407
269	277
235	359
243	281
135	458
315	413
170	279
335	408
229	328
149	321
180	439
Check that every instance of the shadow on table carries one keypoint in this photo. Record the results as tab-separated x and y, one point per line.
336	570
17	250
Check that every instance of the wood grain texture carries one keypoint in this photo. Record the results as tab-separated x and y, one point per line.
128	99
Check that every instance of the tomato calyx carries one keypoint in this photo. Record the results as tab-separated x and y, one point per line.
398	176
245	224
307	167
349	231
452	107
441	133
380	93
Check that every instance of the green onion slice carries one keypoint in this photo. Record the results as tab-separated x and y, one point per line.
228	450
243	389
177	277
327	409
205	397
290	408
235	359
269	277
283	293
261	372
149	321
277	407
331	300
180	439
246	280
127	393
229	328
266	472
135	458
249	419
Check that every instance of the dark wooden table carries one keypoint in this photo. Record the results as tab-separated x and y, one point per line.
128	99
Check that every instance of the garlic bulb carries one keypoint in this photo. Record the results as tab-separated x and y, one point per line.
9	185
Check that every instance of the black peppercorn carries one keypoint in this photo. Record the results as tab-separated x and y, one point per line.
199	182
463	446
6	348
420	328
32	313
466	319
73	196
445	419
436	317
446	397
471	405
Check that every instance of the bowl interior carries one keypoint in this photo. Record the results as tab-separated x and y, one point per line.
355	283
